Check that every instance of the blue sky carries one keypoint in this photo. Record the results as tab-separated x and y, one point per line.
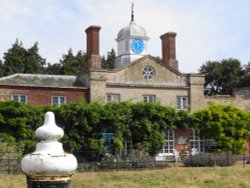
206	30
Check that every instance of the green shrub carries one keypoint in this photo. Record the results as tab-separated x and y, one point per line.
224	159
209	160
199	161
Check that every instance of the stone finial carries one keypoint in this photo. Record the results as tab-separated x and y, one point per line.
49	130
49	162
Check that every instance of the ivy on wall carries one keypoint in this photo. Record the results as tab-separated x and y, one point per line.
142	123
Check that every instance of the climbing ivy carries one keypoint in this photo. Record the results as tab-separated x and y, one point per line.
144	124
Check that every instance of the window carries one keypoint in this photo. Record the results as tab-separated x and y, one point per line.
196	141
128	146
149	98
112	97
58	100
148	73
182	103
169	146
127	46
20	98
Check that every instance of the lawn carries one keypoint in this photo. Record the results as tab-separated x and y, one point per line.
174	177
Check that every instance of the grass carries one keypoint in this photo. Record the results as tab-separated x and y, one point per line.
175	177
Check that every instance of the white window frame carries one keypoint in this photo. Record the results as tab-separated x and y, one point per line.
196	141
170	144
58	100
127	46
128	146
19	98
113	97
149	98
182	103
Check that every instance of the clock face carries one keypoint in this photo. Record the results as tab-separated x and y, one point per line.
137	46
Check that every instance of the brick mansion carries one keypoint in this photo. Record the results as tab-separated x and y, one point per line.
137	76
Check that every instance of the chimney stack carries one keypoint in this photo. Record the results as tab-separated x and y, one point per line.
168	50
94	58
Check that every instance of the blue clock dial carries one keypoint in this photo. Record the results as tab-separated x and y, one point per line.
137	46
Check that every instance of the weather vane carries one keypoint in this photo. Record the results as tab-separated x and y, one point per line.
132	11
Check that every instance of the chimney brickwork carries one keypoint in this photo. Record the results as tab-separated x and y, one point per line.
94	58
169	50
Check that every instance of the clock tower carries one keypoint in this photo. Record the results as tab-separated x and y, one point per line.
131	43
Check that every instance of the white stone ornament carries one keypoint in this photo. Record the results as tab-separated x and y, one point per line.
49	130
49	161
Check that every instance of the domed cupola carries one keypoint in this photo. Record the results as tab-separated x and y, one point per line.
132	43
131	31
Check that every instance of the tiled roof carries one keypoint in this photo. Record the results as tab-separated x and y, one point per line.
40	80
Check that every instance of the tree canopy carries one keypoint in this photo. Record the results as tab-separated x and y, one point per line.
20	60
109	62
221	77
229	126
69	64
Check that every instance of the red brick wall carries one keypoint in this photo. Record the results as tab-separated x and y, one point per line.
42	96
92	40
169	50
94	59
168	46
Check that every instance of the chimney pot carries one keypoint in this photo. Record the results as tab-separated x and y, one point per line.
169	49
94	58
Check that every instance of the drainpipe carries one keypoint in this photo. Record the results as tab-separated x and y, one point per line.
49	166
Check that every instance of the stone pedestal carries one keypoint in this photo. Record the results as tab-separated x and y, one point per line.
47	184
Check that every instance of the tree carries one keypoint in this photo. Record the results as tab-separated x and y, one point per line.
109	63
53	69
34	62
1	69
228	125
14	59
73	64
245	76
21	60
222	76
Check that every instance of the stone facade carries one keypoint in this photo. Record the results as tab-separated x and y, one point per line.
240	100
129	83
166	86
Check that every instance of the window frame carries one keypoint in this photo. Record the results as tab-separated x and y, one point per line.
169	145
196	140
182	104
149	98
113	97
59	102
19	98
148	73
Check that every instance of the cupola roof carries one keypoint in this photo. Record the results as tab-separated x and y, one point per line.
132	30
